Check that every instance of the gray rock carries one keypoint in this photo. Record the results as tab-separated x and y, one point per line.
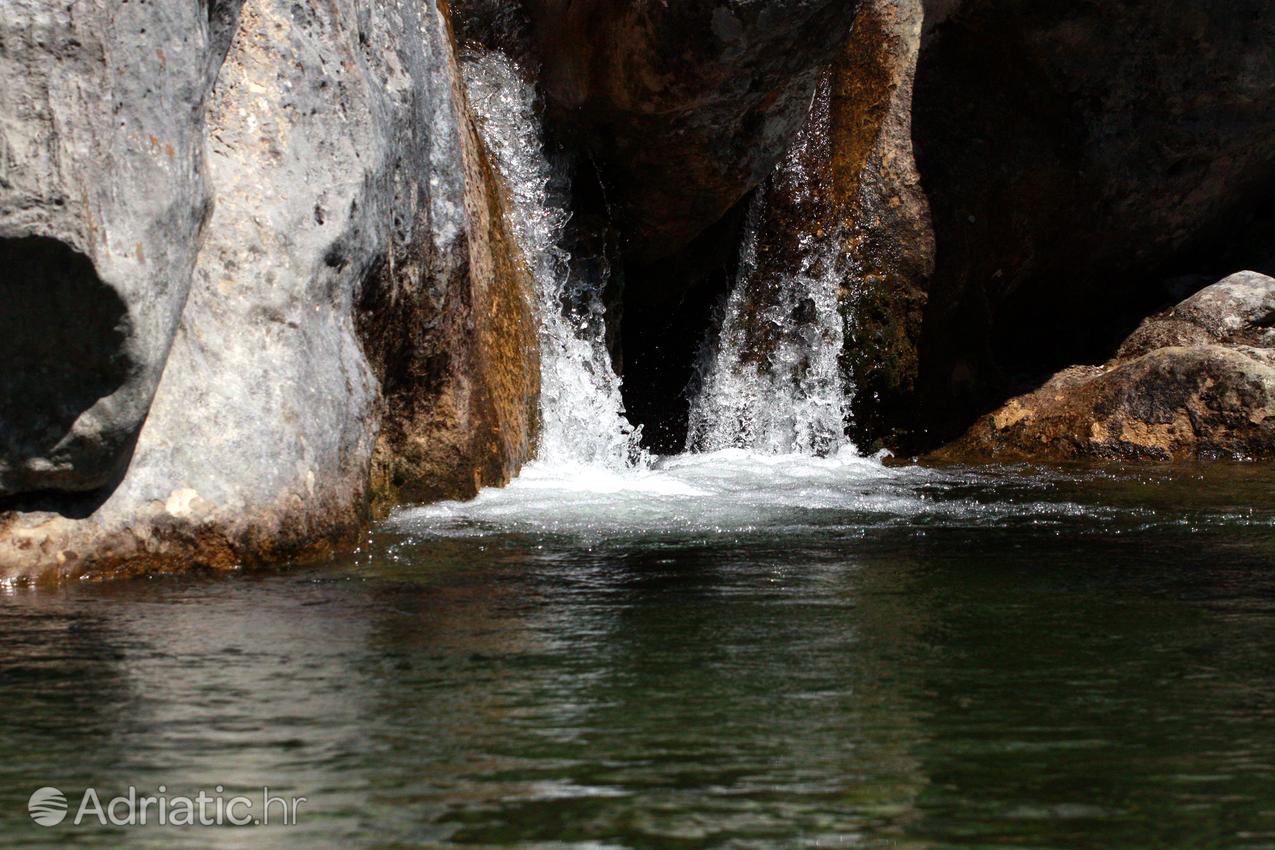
1242	301
346	178
1240	308
102	195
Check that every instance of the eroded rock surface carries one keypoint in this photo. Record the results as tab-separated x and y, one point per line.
102	195
1197	381
349	195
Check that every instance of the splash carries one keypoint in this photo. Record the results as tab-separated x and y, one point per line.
582	412
771	382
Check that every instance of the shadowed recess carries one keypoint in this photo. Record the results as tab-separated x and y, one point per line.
62	338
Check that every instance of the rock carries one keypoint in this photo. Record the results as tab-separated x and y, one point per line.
1076	155
354	296
848	191
889	241
684	107
1187	384
1239	309
102	196
847	201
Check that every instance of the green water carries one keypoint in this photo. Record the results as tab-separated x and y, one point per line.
948	659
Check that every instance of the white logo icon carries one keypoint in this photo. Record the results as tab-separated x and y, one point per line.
47	806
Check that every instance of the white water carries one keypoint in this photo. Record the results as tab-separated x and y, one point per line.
771	442
582	412
796	400
736	495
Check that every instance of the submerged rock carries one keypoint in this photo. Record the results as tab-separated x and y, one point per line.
1197	381
354	295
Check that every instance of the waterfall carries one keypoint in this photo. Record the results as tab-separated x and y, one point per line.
582	412
771	380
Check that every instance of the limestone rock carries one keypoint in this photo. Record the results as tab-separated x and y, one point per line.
1187	384
102	195
352	276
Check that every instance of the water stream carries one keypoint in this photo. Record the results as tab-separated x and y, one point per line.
770	380
582	412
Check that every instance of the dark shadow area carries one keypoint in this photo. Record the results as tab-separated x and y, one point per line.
1084	171
669	307
62	339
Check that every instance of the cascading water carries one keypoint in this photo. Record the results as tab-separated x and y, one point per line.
582	412
771	382
766	430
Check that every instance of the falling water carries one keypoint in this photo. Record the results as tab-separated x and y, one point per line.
771	381
582	412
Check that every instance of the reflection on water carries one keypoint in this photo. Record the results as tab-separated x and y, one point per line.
863	657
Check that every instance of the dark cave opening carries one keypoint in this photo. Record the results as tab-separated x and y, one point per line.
668	311
63	335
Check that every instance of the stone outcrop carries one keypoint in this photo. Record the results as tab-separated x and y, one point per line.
103	192
351	294
1197	381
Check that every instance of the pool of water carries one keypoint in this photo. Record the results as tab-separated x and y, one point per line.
724	651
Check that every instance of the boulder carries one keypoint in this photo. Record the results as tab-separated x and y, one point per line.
354	299
1197	381
1075	155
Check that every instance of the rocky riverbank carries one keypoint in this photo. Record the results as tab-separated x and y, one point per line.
261	281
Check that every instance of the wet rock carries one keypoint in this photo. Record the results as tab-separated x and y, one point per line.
354	297
889	240
102	196
1195	382
684	106
847	203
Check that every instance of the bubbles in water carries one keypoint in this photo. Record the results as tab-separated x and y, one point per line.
771	382
582	412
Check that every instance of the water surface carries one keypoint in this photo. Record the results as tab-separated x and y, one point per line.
727	651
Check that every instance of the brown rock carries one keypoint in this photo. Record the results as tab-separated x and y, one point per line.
1075	155
684	106
1207	401
851	180
1186	385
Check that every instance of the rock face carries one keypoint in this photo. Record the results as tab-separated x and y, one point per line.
1064	146
348	194
1197	381
686	106
102	195
846	202
888	245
